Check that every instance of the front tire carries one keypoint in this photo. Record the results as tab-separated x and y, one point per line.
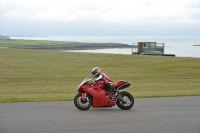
82	105
129	101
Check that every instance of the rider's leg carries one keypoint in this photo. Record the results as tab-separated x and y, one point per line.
116	92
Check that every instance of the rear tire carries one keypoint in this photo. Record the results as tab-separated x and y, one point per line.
80	104
129	101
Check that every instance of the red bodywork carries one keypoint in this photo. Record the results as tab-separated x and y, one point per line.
100	97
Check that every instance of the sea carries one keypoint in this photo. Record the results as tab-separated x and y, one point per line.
180	46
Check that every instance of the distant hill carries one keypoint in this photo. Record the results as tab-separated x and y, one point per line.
4	37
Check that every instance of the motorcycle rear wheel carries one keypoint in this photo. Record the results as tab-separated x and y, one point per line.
80	104
129	101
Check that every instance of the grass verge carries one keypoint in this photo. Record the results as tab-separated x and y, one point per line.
27	75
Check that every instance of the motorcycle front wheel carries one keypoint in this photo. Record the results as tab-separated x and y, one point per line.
80	104
129	101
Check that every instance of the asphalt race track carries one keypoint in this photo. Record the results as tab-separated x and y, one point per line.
148	115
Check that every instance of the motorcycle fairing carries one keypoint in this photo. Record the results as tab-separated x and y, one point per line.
99	97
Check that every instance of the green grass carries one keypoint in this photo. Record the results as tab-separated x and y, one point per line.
19	43
28	75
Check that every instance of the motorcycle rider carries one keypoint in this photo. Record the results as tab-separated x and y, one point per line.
104	79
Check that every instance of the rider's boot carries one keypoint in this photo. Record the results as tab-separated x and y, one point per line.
115	92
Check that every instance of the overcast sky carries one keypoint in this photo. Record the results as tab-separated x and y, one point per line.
100	17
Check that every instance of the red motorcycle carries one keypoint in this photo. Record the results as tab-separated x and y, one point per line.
91	95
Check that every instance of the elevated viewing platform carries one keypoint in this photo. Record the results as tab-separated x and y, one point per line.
149	48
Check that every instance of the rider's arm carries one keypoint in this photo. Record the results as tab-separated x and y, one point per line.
99	78
102	77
